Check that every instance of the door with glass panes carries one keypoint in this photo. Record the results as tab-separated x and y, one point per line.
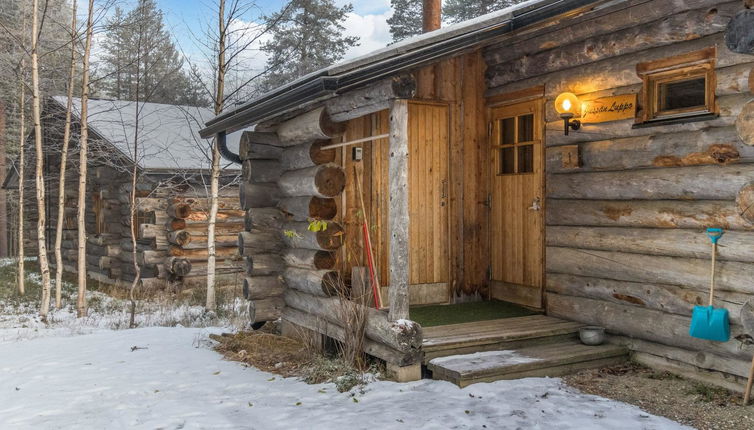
517	203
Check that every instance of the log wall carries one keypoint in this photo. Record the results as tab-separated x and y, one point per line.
626	246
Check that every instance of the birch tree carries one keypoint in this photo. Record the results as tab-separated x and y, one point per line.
83	160
63	163
44	265
211	304
21	174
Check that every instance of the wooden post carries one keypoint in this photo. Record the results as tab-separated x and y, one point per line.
398	219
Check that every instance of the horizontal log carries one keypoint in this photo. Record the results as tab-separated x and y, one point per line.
258	195
150	256
200	254
700	359
733	246
682	183
298	235
266	309
335	331
616	71
259	146
326	180
199	229
674	28
308	207
689	272
263	264
152	231
259	242
323	283
729	106
402	335
647	213
719	145
744	126
264	219
310	259
606	20
178	266
200	281
666	298
260	171
374	98
262	287
202	204
306	155
642	323
313	125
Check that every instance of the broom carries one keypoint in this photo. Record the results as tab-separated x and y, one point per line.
368	242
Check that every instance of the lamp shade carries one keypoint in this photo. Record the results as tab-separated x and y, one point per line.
568	103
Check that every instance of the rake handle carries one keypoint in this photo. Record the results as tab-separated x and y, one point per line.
747	393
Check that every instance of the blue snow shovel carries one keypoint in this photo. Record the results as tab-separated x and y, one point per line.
708	322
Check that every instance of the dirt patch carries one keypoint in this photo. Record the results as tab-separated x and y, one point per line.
265	350
661	393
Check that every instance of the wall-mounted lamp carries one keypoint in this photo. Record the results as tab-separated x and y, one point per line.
568	106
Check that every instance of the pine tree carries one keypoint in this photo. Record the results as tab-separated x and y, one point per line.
307	36
406	20
160	66
407	14
462	10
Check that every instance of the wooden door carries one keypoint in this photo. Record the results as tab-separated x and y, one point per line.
517	203
428	202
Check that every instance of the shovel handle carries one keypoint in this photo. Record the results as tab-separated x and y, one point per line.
715	234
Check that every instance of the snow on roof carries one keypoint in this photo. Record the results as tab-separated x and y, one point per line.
168	134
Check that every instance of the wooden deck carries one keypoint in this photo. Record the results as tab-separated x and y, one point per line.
508	333
554	359
511	348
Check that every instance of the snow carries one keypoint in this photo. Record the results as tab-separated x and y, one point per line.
480	361
176	381
169	134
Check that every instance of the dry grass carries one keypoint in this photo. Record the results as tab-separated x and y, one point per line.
266	351
662	393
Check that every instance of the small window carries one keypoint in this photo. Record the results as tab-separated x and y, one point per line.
142	217
678	87
515	144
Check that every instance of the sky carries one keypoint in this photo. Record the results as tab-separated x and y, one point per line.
367	21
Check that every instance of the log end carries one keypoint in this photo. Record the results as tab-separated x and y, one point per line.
745	202
332	237
320	208
319	156
330	181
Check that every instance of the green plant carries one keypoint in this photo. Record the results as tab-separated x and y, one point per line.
316	225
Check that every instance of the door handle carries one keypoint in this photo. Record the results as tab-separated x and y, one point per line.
535	204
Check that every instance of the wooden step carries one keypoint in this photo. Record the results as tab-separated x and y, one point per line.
509	333
555	359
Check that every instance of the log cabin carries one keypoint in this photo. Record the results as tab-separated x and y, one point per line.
170	220
561	155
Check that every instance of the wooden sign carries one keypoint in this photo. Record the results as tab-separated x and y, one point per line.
609	109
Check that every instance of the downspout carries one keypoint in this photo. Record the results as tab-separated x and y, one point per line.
227	154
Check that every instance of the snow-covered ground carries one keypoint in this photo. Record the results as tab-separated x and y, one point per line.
174	380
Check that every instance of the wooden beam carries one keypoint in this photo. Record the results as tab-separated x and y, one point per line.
398	217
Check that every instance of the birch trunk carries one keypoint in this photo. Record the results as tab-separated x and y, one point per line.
83	155
44	265
215	180
63	162
21	180
132	196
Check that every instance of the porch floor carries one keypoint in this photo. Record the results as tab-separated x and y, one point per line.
441	315
509	348
491	335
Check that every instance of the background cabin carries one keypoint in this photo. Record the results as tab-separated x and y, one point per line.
172	195
475	188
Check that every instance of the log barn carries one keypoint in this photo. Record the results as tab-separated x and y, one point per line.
561	155
170	220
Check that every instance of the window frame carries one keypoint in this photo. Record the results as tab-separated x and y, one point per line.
692	65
